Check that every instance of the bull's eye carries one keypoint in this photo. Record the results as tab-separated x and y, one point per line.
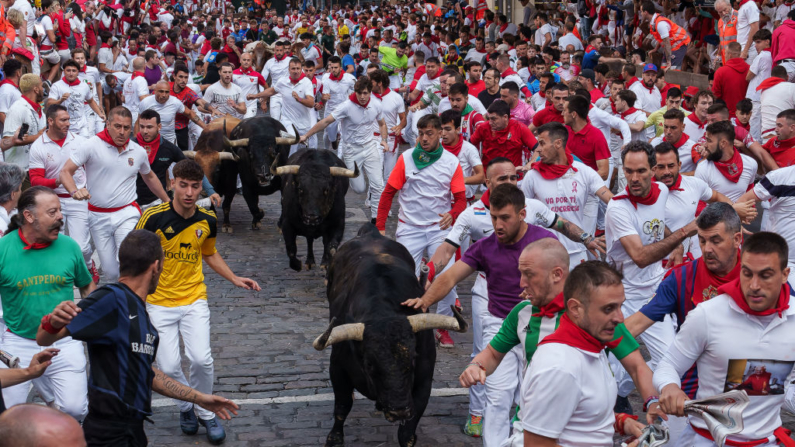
300	190
325	192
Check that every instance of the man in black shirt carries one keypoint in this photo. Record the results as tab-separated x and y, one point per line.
162	153
212	76
122	345
492	80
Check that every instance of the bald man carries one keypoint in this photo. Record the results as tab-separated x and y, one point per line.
167	107
135	88
40	426
544	265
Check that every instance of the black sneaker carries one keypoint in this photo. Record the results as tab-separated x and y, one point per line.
215	431
623	406
188	422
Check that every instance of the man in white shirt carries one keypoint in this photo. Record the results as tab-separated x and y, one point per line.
9	87
570	38
276	68
359	144
741	339
90	76
297	103
48	154
224	95
335	87
112	163
167	107
673	133
312	52
635	119
250	82
758	72
725	169
569	390
25	111
696	122
394	110
747	26
74	94
774	100
649	97
135	88
543	35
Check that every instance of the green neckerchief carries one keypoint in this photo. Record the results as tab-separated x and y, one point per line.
423	159
466	110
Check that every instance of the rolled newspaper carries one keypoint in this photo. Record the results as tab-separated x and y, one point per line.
722	413
9	360
653	436
424	270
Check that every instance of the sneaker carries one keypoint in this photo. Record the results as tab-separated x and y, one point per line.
474	426
188	422
444	339
215	431
458	305
94	273
623	406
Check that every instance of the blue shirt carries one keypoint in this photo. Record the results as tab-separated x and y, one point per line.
535	84
122	344
590	59
348	60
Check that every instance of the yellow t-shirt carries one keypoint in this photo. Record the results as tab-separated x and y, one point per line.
184	243
343	30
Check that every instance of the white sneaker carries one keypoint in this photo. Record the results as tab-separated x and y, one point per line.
204	203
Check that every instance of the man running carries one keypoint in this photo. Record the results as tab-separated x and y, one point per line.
296	103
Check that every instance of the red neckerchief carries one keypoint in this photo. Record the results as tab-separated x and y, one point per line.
707	283
244	71
381	96
682	140
589	48
279	59
104	45
613	107
551	308
650	199
731	169
484	199
438	72
9	81
83	69
503	27
632	80
742	3
733	290
650	89
542	94
151	148
509	71
33	246
677	186
105	136
339	78
692	117
776	146
59	142
570	334
628	112
35	106
73	83
356	100
136	74
551	172
297	80
769	83
737	123
455	149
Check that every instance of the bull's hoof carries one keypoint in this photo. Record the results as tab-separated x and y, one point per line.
411	442
295	264
256	225
335	440
309	266
323	266
226	229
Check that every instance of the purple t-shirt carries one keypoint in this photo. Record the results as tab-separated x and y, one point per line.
153	75
500	263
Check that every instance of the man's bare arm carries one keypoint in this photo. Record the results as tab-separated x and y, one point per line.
645	255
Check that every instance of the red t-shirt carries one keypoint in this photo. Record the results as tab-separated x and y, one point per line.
596	94
476	88
589	145
511	142
548	114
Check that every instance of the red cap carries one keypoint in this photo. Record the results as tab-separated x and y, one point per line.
691	91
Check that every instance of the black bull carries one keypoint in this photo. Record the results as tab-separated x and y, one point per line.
382	349
314	184
254	147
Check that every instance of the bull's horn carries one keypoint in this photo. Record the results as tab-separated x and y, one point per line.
189	154
289	169
290	141
242	142
344	332
228	156
273	165
424	322
344	172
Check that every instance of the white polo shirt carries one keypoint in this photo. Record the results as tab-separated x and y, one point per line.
110	175
606	122
648	100
392	105
293	112
79	96
680	208
566	196
339	90
747	15
249	83
648	223
568	395
218	95
133	89
685	153
9	93
21	112
472	101
355	121
727	345
617	138
168	114
92	77
50	156
777	186
707	172
276	69
424	83
313	53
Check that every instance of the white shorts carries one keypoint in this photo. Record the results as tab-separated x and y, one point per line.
51	56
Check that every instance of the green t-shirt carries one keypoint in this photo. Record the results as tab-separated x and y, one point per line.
327	42
391	63
520	326
33	282
268	37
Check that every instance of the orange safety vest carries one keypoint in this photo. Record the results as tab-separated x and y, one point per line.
727	33
7	32
435	10
677	36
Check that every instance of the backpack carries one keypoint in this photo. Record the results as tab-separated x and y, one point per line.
582	9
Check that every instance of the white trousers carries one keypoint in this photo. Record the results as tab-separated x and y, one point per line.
251	110
480	309
417	241
503	388
276	107
390	158
193	323
75	213
756	121
65	380
107	232
331	132
310	143
368	157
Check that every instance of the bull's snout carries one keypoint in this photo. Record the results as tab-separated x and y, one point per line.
265	176
312	219
398	415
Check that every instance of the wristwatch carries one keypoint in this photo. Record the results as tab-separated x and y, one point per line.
584	237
